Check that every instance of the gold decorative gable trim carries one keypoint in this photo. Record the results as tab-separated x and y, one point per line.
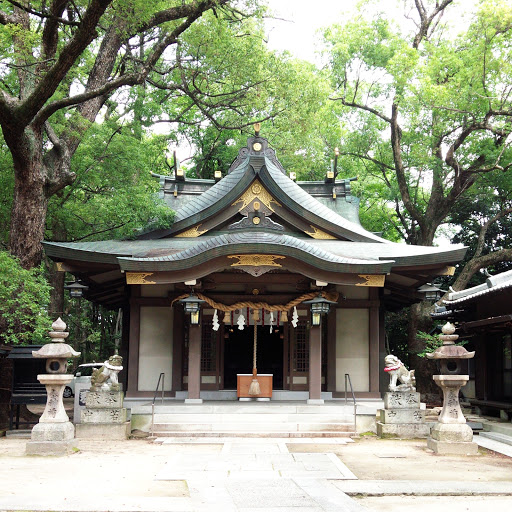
256	191
447	271
256	260
138	278
319	234
192	232
372	280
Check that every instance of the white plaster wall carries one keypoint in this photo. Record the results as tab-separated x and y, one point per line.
155	348
352	348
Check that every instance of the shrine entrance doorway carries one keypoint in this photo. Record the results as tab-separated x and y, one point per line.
238	354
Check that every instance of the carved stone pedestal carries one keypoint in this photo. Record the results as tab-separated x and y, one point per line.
402	416
104	416
54	434
451	435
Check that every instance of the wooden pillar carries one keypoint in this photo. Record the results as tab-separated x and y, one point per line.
315	364
133	342
194	364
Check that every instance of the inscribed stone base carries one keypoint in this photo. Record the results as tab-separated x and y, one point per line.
104	415
403	430
117	431
452	432
452	448
104	400
53	432
402	400
56	448
402	415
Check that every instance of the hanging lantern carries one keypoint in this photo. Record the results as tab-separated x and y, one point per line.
192	305
319	306
431	292
76	289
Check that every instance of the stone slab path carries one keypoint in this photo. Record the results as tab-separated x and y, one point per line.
248	460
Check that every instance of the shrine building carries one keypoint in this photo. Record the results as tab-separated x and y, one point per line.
255	246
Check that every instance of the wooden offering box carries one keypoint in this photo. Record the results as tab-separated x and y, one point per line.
243	381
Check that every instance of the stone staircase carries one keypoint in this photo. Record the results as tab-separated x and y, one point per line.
501	432
254	419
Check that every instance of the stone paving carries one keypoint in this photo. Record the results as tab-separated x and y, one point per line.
249	475
250	460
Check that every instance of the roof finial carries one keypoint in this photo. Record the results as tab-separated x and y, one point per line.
257	128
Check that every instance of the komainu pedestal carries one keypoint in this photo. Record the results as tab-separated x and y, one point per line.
402	416
104	416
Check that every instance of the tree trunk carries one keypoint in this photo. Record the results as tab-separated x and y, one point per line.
30	201
420	321
56	280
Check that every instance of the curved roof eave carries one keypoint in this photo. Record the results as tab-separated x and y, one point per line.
287	191
262	243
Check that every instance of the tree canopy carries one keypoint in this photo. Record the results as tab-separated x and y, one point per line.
427	110
64	61
24	298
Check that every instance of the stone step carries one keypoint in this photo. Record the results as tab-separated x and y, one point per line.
254	427
165	433
243	408
21	433
500	428
496	436
255	418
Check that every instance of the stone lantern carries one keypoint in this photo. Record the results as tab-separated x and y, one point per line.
54	434
451	435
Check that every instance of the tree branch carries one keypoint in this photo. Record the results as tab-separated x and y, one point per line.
51	80
475	264
426	20
39	14
5	18
362	107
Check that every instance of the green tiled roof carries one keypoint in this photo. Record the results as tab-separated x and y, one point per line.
262	243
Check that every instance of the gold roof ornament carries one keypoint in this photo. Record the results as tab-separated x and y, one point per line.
257	128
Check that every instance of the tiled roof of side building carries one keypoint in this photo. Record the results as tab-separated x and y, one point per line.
492	284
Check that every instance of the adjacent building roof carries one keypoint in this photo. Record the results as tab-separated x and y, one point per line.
492	285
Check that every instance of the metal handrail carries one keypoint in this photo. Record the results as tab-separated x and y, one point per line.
161	377
347	379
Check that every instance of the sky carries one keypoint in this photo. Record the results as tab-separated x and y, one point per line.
297	22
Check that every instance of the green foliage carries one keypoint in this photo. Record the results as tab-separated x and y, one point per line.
451	92
92	330
24	298
432	342
396	325
114	194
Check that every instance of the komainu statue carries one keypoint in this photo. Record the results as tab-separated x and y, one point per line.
398	372
105	378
